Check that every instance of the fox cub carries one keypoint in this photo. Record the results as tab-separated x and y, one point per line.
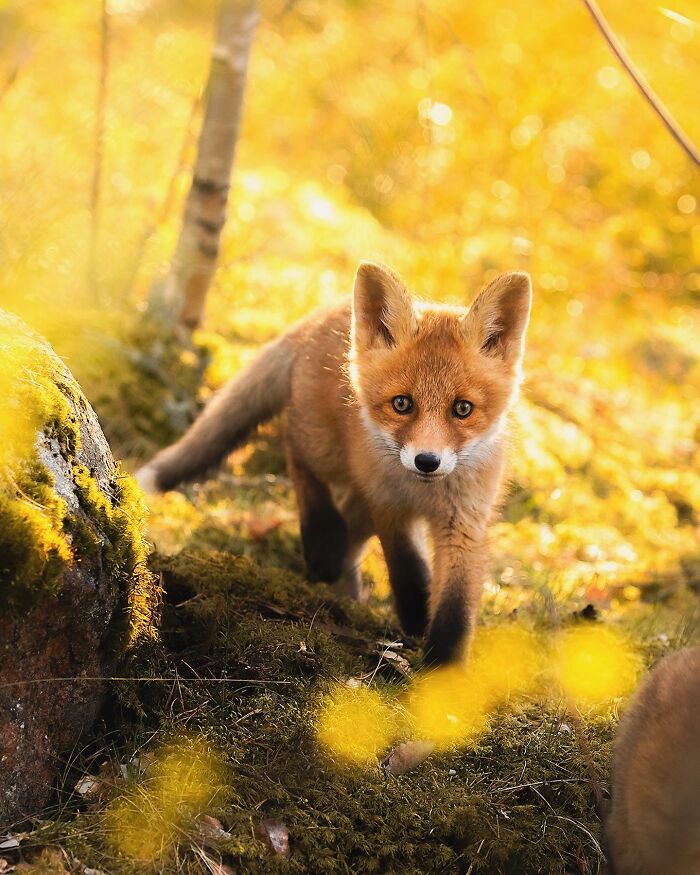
654	822
396	420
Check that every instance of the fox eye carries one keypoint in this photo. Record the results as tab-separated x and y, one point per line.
462	409
402	403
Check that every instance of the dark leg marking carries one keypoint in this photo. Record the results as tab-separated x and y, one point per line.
324	532
410	578
324	538
448	631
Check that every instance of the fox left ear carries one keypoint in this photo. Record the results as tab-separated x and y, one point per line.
498	318
382	312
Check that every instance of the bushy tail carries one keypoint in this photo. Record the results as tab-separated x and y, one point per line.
259	392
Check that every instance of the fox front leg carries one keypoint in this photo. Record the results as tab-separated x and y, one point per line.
324	532
458	573
409	576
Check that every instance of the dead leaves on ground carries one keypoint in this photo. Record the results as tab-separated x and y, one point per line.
275	834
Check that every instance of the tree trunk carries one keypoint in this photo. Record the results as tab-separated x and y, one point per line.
195	258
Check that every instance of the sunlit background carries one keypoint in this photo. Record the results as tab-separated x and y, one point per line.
451	140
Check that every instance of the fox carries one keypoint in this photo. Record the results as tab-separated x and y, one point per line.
653	827
396	426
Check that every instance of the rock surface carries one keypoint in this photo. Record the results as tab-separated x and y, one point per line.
75	593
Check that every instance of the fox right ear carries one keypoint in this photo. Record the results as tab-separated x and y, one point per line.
382	312
498	318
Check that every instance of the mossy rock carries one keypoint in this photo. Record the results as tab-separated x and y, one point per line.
75	592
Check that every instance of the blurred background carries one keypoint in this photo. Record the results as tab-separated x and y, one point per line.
451	140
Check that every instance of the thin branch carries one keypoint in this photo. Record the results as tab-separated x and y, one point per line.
194	262
22	56
93	279
149	680
649	94
169	199
472	67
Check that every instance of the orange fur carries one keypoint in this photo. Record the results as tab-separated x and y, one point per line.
351	455
654	823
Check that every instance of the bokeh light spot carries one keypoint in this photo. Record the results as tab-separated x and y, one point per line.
449	707
596	664
508	660
355	724
146	821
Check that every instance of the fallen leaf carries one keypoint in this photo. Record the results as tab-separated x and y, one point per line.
9	842
212	830
275	833
139	764
396	661
390	645
407	756
88	786
258	527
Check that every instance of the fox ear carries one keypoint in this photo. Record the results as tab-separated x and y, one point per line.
382	312
497	320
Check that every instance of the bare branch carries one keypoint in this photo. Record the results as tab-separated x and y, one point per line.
650	95
165	209
93	279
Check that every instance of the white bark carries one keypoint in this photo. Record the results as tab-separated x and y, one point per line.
196	254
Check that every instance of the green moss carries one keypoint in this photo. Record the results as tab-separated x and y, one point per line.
112	531
34	551
33	544
40	536
223	580
250	651
143	385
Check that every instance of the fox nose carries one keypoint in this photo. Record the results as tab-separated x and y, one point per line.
427	462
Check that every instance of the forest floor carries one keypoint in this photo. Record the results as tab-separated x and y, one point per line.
212	762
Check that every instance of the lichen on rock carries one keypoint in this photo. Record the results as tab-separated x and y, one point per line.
75	591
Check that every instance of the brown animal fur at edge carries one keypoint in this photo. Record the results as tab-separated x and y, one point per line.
654	823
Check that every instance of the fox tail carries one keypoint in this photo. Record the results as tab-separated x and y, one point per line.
252	397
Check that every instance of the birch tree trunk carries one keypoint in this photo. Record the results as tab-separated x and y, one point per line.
194	262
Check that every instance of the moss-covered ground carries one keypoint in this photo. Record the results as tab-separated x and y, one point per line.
249	649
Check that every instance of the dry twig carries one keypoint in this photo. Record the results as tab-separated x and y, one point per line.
649	94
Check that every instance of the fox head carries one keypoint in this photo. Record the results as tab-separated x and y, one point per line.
434	383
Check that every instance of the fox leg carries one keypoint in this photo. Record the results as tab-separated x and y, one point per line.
324	532
459	567
360	529
409	576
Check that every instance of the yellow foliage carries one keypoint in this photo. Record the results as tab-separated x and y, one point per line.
508	660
